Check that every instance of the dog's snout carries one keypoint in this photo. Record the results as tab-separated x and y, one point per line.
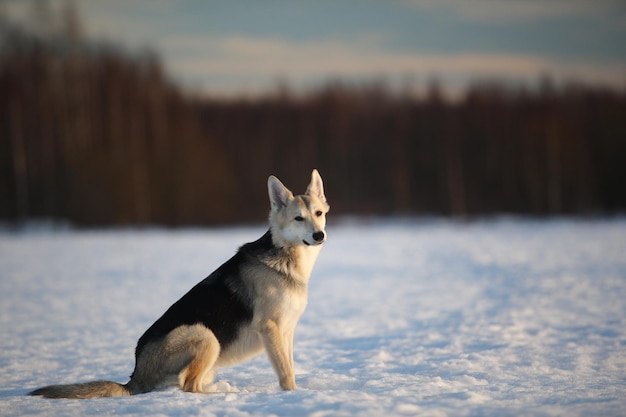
318	236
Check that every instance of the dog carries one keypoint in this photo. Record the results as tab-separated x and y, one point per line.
249	304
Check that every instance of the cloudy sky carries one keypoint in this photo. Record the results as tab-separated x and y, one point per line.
246	46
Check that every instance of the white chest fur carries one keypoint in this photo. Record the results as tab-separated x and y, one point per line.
306	256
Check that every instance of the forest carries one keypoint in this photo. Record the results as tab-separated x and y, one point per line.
95	135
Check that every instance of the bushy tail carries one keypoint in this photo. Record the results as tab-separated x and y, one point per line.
93	389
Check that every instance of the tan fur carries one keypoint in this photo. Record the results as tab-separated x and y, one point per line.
277	283
186	355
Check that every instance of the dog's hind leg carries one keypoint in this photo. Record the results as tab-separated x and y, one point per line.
187	353
203	349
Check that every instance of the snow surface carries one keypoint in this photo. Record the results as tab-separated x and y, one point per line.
430	318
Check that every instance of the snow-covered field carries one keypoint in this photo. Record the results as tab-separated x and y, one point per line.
427	318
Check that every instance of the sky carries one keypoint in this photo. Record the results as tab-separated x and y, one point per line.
234	47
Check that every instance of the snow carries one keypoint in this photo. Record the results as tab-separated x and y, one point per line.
405	317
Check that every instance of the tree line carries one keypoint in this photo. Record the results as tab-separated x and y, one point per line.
96	135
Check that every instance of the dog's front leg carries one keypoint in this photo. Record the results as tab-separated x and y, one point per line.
288	340
278	354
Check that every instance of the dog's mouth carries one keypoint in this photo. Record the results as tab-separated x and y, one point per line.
312	244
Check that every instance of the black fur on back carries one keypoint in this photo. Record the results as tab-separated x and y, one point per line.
221	301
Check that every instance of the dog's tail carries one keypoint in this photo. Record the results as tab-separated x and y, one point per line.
94	389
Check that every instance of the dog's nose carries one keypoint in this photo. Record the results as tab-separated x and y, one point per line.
318	236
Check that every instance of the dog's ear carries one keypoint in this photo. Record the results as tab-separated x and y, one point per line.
316	187
278	193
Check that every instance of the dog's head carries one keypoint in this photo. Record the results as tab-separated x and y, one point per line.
301	219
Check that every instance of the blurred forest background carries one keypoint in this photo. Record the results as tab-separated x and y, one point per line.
96	135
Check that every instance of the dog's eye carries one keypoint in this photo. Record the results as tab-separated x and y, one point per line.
298	218
318	213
